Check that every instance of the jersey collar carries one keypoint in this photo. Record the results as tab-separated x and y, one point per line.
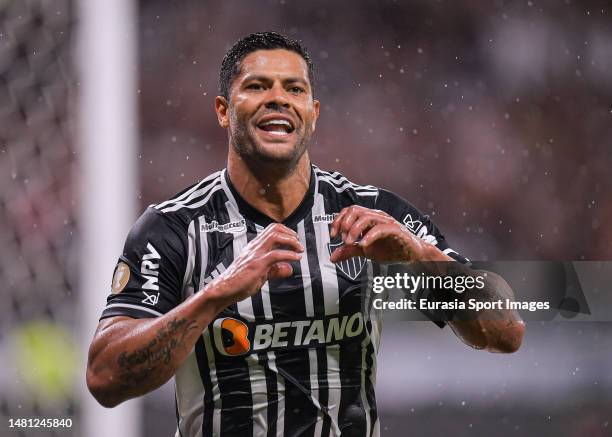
254	215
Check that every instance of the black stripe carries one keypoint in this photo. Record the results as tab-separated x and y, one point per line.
288	303
262	357
369	387
200	350
351	413
272	389
232	372
318	299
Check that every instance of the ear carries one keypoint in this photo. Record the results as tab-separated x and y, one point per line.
221	108
316	106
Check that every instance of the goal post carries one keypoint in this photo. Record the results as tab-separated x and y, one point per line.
106	60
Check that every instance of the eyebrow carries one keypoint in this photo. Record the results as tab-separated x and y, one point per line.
262	78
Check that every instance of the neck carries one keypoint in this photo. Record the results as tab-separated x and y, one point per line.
271	189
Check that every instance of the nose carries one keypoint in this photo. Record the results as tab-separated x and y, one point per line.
277	98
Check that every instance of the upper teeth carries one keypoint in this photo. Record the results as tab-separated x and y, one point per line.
279	122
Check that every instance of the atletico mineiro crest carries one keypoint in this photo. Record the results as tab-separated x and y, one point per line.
351	267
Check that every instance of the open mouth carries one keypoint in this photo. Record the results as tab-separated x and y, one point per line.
276	126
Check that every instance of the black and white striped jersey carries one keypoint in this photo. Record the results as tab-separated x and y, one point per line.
298	358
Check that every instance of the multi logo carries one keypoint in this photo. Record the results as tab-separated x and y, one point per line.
231	227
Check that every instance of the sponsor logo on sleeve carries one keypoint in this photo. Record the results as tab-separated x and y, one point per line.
121	276
417	228
149	269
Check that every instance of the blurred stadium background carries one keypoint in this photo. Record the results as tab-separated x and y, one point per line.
495	117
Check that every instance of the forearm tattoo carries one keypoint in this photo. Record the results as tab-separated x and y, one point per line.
136	366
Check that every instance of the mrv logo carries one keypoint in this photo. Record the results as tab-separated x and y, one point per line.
149	268
234	337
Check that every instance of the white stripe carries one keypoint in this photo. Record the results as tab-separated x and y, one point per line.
335	386
338	178
257	374
203	251
187	285
189	397
188	192
189	389
280	389
341	184
206	336
280	382
309	303
239	242
331	295
259	396
349	186
306	280
216	420
208	192
362	391
137	307
265	289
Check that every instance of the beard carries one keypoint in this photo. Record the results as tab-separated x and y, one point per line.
243	138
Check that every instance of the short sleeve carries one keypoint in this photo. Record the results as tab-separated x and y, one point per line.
423	227
148	277
419	224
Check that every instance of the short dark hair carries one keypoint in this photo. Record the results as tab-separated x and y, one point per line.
230	66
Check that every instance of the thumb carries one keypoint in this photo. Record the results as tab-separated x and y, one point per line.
280	270
345	252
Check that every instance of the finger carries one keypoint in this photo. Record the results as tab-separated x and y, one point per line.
351	216
280	270
279	240
337	222
361	226
375	234
277	228
280	255
345	252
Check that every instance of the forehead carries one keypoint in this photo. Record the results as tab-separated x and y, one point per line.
277	62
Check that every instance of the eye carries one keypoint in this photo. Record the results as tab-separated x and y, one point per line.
255	87
296	90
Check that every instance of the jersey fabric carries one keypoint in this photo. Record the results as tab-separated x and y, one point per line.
297	358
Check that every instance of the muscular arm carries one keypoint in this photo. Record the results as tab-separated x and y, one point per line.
492	330
130	357
378	236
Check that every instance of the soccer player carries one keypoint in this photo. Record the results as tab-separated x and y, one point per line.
247	286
